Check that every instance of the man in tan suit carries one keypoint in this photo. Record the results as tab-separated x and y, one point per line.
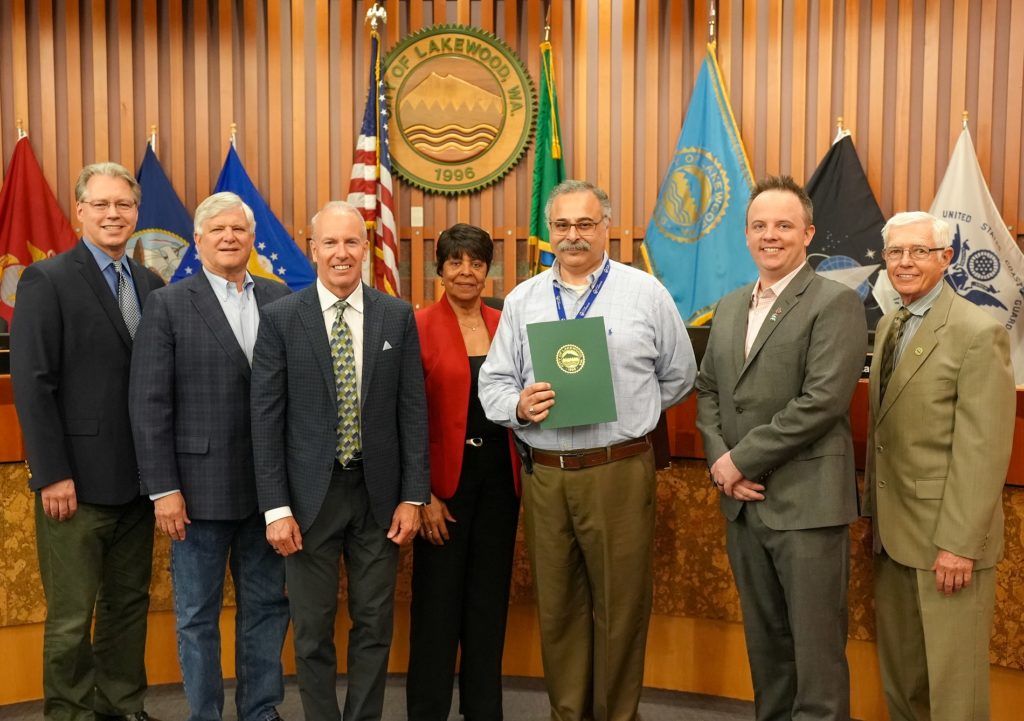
942	411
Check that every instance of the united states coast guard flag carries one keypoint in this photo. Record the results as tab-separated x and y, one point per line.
274	255
370	186
164	231
987	267
695	240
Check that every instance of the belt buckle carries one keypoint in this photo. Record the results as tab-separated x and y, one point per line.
563	456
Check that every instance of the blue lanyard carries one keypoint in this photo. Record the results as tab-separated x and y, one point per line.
590	298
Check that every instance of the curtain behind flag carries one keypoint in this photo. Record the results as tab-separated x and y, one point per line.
848	223
274	255
987	267
695	240
548	168
163	233
370	185
32	226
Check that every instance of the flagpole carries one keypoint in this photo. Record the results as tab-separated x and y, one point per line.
712	22
21	129
965	120
234	133
152	137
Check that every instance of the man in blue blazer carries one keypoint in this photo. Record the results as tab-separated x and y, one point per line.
189	405
774	390
340	436
74	320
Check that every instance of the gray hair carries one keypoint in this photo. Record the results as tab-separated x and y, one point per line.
341	207
220	203
940	228
111	170
579	186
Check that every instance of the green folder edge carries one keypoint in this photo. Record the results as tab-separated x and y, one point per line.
596	410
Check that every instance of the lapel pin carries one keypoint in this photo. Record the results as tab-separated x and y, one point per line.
918	351
775	314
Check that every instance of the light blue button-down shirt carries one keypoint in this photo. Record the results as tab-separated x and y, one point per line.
106	266
652	361
239	308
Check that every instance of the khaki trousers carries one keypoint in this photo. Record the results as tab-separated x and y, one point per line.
933	648
590	535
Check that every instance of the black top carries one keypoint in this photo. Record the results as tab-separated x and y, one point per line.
477	425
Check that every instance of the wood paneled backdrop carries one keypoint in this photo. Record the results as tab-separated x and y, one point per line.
89	78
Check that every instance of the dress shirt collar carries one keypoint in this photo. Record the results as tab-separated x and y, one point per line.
557	273
223	288
778	287
924	304
103	260
328	299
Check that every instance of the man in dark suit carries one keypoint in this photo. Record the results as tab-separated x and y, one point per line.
774	390
189	405
74	320
340	435
942	406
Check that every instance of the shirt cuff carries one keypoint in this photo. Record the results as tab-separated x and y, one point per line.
276	514
415	503
157	496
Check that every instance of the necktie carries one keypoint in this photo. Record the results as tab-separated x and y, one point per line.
889	349
126	300
344	358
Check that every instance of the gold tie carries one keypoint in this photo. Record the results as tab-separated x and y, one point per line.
344	358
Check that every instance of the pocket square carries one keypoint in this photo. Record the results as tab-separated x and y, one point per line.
387	346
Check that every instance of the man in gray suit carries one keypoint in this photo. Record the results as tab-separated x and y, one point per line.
189	403
340	433
782	361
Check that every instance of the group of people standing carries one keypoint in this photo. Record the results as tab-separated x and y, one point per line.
278	433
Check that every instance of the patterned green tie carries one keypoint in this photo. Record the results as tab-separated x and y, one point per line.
889	350
344	358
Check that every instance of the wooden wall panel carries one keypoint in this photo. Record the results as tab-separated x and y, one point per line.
90	78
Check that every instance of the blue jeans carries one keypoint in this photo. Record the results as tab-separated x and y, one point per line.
261	616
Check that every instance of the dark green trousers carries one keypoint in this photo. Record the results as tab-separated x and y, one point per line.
98	563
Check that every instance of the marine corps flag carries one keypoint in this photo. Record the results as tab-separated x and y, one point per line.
848	223
32	226
274	254
549	167
695	240
987	267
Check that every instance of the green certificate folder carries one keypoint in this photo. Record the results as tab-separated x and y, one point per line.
572	355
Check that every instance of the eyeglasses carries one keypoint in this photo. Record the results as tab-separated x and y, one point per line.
917	252
102	206
585	227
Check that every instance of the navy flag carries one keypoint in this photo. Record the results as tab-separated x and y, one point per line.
163	234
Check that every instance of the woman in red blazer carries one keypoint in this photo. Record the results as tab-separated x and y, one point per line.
462	560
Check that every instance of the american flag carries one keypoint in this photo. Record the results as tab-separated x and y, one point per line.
370	186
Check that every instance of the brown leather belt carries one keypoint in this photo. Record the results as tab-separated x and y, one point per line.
577	460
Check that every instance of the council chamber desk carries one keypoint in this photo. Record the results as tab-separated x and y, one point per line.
696	638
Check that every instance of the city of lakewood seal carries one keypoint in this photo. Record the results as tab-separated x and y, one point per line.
695	197
463	108
570	358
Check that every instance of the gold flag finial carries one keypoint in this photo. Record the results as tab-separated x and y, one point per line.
152	137
712	21
964	120
234	132
839	123
21	129
376	14
547	24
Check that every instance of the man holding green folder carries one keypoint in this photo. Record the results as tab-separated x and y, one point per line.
588	473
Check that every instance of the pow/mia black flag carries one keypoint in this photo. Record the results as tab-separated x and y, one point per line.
848	224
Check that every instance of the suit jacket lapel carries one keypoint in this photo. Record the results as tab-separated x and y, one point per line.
919	347
142	289
94	279
789	298
209	308
312	319
373	321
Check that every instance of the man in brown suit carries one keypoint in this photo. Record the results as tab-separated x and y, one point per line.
942	405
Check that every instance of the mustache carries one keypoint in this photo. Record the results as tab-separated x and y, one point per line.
571	245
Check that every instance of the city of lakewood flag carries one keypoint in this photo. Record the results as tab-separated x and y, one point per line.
32	226
274	255
848	223
548	168
371	188
987	267
695	241
163	233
